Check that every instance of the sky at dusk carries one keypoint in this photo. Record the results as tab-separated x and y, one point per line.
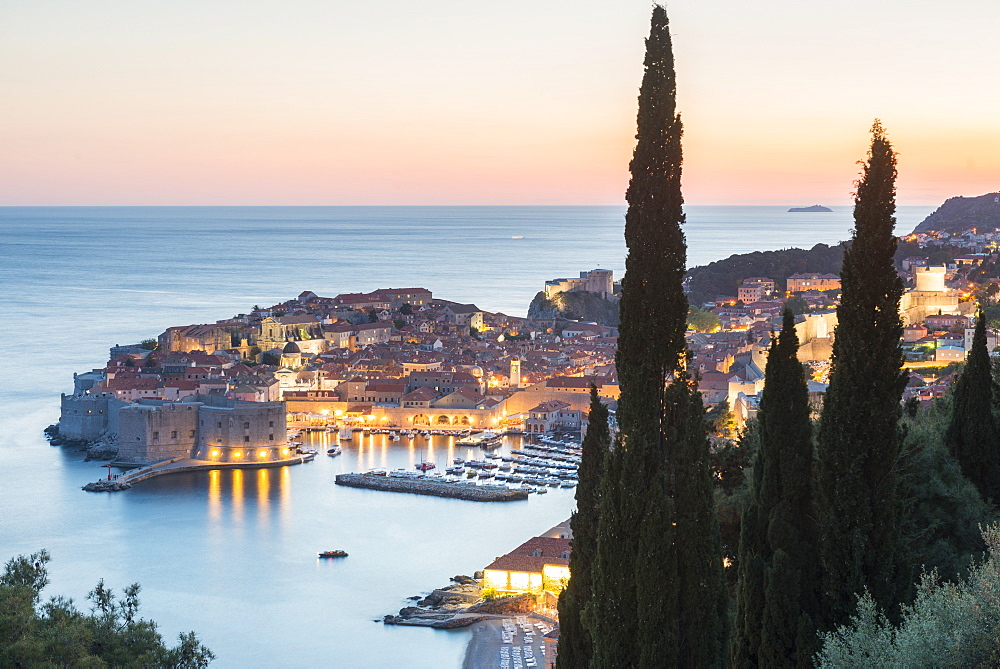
329	102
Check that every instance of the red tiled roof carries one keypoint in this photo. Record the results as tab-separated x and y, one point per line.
132	384
549	549
421	394
551	405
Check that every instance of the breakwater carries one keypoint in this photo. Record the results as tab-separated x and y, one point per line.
177	465
434	488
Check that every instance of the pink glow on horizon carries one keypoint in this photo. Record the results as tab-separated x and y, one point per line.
449	103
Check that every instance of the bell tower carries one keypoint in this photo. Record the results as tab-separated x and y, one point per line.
515	372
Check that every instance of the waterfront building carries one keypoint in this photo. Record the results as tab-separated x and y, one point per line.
539	565
553	415
202	427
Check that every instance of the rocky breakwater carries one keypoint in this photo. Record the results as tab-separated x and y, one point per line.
435	488
105	485
459	605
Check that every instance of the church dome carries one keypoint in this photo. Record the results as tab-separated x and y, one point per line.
291	347
476	371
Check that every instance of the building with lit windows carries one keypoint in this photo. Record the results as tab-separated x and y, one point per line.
538	565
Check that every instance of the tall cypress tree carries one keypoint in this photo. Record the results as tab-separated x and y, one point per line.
574	639
972	436
859	439
778	590
659	594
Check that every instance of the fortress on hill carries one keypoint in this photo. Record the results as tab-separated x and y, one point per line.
599	281
930	296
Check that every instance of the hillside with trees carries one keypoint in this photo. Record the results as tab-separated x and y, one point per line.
723	277
961	213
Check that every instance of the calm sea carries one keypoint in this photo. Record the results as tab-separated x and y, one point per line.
231	554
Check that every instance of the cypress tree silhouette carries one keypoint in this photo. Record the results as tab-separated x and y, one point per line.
574	639
972	436
659	596
859	439
779	579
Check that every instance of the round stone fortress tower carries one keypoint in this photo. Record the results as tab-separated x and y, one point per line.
929	279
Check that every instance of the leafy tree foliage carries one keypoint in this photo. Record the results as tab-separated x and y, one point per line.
778	589
148	344
948	625
406	309
56	633
941	528
973	437
723	277
732	469
720	422
574	639
700	320
797	304
659	595
859	439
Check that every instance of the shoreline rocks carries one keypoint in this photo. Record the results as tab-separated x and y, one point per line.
444	608
438	623
106	486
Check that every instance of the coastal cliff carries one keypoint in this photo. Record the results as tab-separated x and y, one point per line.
577	306
961	213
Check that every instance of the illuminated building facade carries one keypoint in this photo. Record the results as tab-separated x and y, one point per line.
538	565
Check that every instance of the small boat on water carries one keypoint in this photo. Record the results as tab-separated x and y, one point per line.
425	465
334	452
333	554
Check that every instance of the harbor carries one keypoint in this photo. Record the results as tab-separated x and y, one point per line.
453	489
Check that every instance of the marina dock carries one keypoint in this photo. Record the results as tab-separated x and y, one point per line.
435	488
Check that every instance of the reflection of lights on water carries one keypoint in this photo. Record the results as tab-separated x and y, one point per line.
263	493
238	496
214	496
284	490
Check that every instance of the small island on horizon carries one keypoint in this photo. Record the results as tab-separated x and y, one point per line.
815	207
